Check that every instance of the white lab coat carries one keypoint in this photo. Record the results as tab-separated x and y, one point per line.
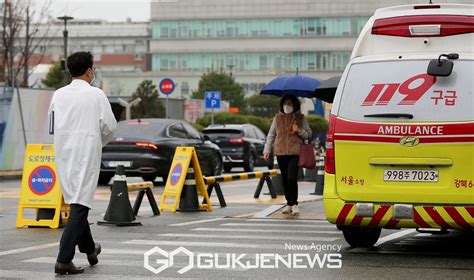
83	124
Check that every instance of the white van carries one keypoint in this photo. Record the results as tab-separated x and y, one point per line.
400	144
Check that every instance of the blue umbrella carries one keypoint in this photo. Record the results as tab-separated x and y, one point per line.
298	85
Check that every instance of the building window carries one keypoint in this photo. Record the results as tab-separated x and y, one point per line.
164	32
263	62
274	61
288	27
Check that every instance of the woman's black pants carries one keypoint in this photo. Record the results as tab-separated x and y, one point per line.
289	172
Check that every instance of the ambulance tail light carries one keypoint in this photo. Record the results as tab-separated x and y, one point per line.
424	25
147	145
330	165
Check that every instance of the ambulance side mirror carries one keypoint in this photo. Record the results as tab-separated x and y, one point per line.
442	67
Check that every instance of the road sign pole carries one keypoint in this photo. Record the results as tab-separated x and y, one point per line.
166	106
167	87
212	116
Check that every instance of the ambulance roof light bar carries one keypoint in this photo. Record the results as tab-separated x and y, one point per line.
424	25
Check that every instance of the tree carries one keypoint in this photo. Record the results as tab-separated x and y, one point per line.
150	106
20	39
263	105
55	77
220	81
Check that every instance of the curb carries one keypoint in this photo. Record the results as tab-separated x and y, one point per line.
265	213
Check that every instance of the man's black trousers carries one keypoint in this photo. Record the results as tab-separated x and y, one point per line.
76	232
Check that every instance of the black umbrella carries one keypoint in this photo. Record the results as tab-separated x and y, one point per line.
327	89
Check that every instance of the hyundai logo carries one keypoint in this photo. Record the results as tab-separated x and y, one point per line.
409	141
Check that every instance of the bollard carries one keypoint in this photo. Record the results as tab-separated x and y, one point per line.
311	174
271	189
277	181
213	182
300	174
219	193
319	187
143	188
119	212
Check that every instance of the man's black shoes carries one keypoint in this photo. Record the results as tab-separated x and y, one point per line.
92	257
69	268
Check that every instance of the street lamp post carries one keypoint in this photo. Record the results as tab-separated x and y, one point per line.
128	106
65	33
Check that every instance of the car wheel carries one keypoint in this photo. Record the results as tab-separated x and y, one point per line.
249	163
217	167
149	178
227	168
104	179
360	236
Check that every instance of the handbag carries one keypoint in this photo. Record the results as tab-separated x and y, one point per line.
306	159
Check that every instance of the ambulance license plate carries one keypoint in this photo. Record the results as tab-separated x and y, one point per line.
117	163
411	175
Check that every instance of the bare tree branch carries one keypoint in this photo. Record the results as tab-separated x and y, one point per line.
20	37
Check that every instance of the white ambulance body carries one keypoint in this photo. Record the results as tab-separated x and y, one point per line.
400	143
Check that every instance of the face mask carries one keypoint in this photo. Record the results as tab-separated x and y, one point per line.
93	78
288	109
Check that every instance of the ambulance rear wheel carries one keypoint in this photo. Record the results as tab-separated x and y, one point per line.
360	236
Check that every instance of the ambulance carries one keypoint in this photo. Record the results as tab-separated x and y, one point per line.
400	142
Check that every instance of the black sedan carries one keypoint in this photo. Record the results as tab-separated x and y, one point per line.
146	148
241	144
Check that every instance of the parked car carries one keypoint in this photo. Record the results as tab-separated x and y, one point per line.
241	144
146	148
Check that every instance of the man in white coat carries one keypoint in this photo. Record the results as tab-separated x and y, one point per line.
83	123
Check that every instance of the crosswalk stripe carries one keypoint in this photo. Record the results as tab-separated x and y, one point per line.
267	231
251	237
394	236
32	248
84	263
197	222
279	225
24	274
287	221
202	244
123	252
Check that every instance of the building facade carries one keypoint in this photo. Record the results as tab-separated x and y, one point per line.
255	40
118	47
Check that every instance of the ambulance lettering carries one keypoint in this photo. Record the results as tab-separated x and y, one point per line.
410	130
413	89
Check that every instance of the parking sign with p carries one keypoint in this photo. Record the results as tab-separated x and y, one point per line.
212	99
